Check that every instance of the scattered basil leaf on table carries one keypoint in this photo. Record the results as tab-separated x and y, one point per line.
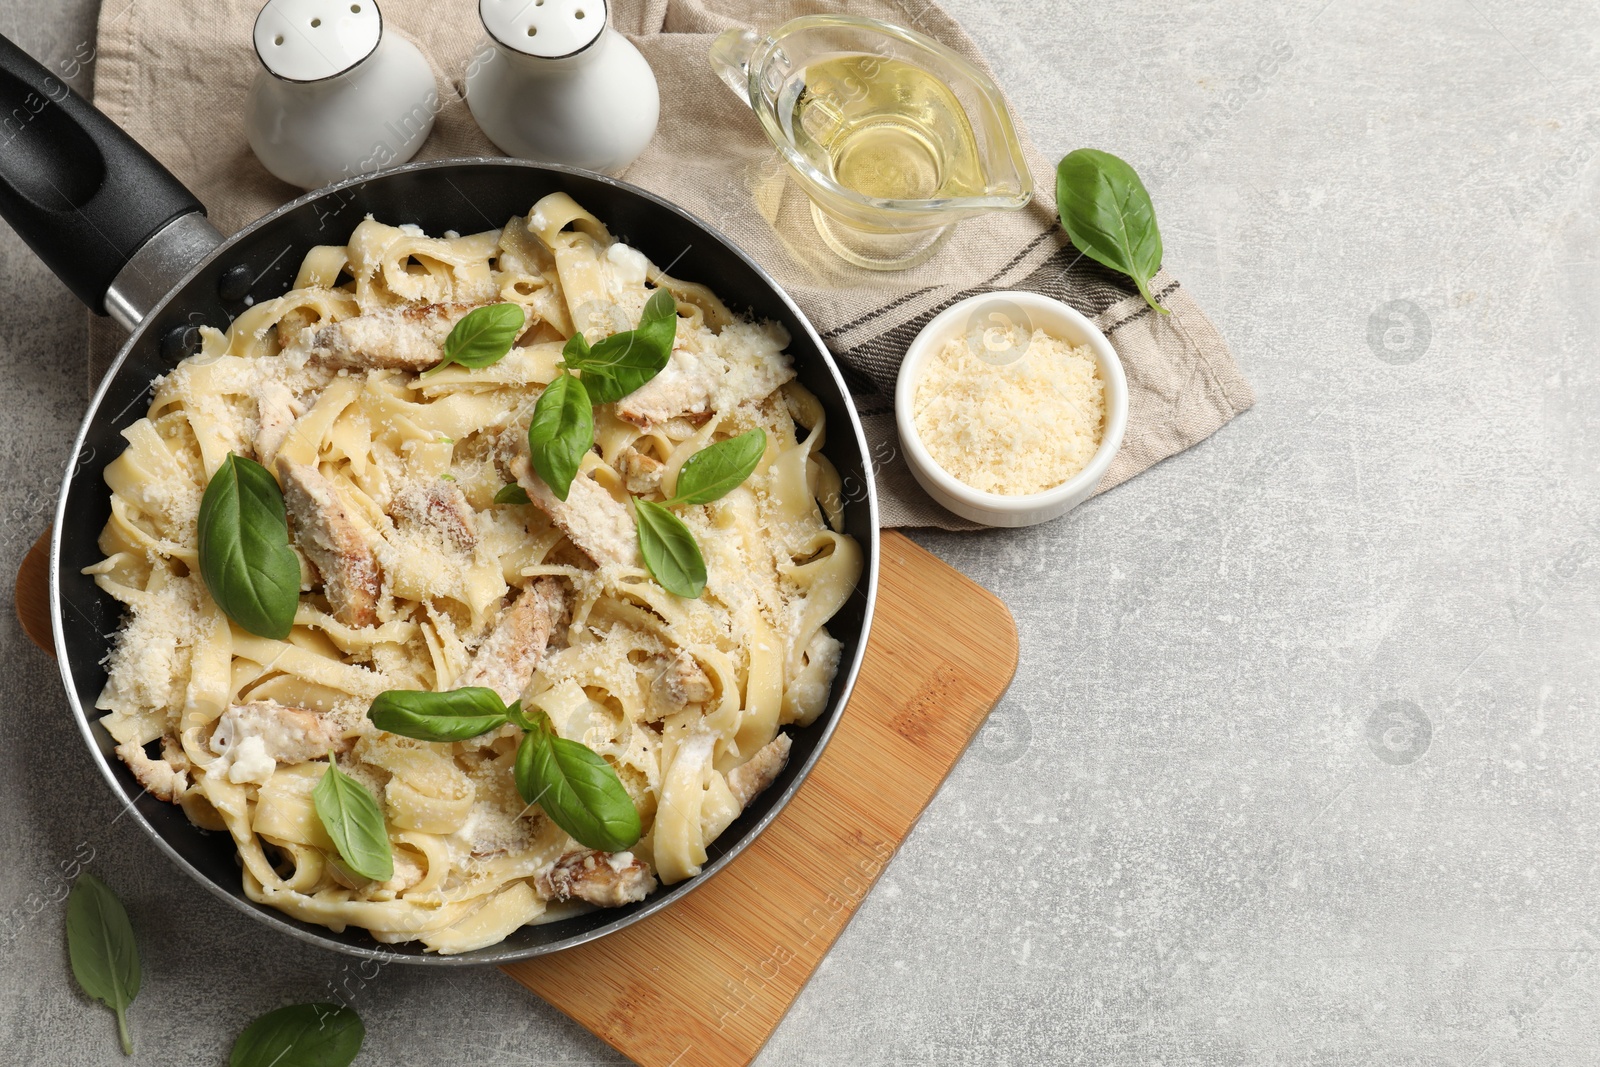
669	550
576	787
715	471
561	433
482	337
621	363
245	557
455	715
1107	212
354	821
512	494
300	1035
105	957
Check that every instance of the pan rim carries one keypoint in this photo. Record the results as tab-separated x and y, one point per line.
486	956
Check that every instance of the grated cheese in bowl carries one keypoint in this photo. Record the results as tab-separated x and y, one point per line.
1012	425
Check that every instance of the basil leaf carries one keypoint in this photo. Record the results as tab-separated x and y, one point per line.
355	822
658	322
578	789
529	786
576	350
561	433
716	471
669	550
300	1035
452	716
105	957
245	558
512	494
1107	213
516	715
482	337
623	362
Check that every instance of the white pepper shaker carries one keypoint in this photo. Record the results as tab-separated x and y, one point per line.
556	83
336	97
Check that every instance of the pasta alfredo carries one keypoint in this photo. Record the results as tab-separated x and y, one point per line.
413	577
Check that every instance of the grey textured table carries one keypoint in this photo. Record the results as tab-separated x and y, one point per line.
1300	766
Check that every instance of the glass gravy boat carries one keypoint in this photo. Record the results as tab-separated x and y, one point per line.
892	136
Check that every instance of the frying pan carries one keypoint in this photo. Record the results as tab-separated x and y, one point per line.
130	241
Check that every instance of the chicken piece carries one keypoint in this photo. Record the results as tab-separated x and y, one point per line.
254	737
641	473
590	517
694	382
678	683
333	542
606	879
407	873
683	387
750	778
276	411
505	445
287	733
506	660
441	508
156	776
408	338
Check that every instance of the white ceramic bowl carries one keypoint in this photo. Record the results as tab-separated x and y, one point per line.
1026	311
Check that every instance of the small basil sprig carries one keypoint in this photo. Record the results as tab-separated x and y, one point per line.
1107	212
561	433
300	1035
562	430
245	557
576	787
511	493
105	957
482	337
354	821
621	363
669	549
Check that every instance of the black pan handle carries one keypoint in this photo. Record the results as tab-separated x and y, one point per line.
80	191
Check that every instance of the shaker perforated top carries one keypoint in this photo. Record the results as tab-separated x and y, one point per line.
309	40
548	29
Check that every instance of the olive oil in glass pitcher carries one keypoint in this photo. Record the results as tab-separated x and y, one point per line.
883	128
893	137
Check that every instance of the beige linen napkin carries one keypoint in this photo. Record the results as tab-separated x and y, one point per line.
175	75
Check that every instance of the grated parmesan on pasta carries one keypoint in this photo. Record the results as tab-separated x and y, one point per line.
1011	428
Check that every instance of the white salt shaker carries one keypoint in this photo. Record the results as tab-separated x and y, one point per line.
336	97
556	83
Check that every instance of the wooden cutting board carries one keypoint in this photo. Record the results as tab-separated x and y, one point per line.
706	981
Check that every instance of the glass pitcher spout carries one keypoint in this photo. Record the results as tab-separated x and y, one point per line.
893	136
730	58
